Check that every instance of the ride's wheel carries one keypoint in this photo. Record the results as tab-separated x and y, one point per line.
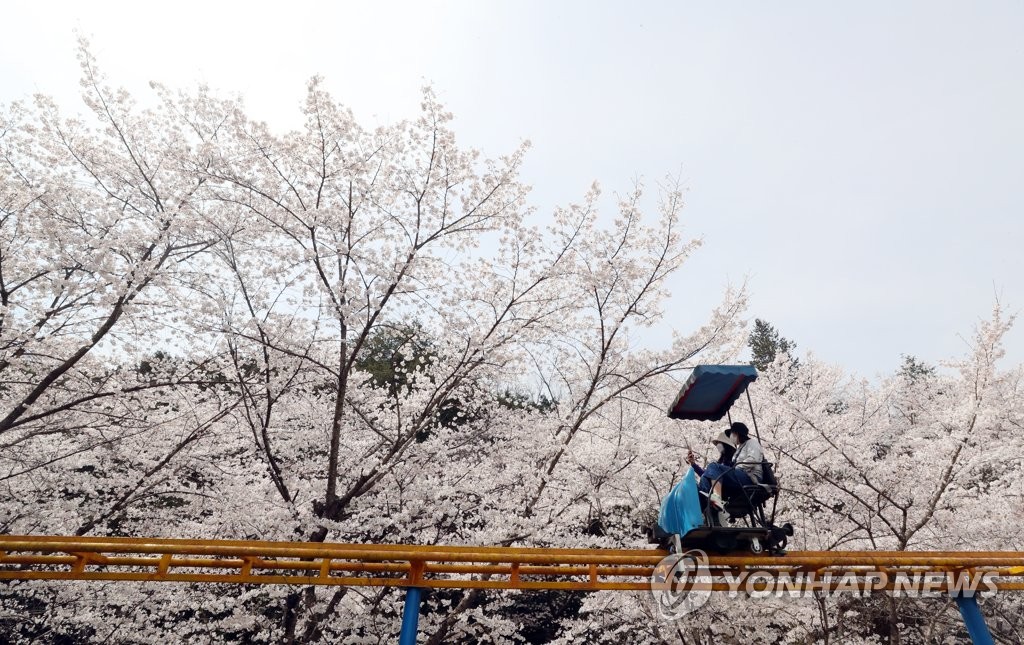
756	547
780	545
778	540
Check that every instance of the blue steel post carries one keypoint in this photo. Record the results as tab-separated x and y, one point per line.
410	616
975	622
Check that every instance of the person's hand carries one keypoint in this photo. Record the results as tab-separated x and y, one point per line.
690	458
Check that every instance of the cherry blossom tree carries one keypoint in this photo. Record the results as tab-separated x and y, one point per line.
910	462
97	240
194	311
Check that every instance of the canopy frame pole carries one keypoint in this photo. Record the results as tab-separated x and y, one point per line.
753	418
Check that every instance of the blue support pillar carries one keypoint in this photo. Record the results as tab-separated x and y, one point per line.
410	616
975	622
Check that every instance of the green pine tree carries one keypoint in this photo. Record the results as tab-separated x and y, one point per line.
914	370
765	344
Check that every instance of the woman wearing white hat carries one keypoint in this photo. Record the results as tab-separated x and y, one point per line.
725	452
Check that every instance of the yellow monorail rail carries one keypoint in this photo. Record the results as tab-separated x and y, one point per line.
305	563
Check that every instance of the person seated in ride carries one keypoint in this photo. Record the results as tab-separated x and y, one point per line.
725	452
745	470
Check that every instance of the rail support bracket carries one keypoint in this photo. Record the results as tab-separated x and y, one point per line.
410	616
973	619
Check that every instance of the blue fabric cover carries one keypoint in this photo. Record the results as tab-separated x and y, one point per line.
680	510
710	391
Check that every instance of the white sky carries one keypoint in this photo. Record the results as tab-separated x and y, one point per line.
863	164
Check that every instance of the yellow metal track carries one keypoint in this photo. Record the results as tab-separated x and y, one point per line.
305	563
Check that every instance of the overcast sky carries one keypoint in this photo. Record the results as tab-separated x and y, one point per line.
862	164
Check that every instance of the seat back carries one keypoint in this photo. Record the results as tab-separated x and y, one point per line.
768	478
757	494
